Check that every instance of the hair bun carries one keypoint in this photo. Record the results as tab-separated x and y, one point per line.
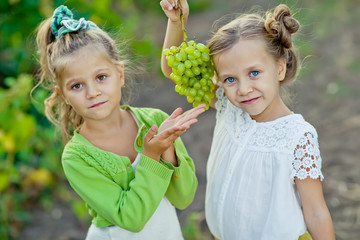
281	25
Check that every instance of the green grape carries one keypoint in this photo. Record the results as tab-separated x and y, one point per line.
197	98
197	85
185	80
188	64
190	99
197	54
201	47
182	90
189	50
189	73
192	92
200	93
203	82
196	70
205	57
177	88
192	81
194	62
207	97
181	68
170	59
205	88
178	57
173	49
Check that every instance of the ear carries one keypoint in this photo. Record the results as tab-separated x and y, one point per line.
281	69
58	91
120	68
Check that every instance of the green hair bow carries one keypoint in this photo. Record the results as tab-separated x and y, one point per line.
63	22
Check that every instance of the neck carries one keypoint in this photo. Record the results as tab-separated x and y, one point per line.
277	110
106	126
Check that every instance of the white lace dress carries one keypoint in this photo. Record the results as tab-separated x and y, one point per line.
251	192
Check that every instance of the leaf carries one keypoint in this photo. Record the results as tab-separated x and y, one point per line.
4	180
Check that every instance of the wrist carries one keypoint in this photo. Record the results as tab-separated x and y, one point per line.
175	23
154	156
169	155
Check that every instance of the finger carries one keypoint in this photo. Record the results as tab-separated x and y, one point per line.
168	132
185	7
196	109
167	5
176	113
191	114
175	136
187	124
150	134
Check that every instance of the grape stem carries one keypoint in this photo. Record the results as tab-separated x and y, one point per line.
182	22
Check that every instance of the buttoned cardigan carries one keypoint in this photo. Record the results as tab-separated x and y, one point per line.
109	187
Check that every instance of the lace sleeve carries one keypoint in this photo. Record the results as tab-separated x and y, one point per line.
307	160
220	104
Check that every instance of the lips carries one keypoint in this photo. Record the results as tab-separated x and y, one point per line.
250	101
97	105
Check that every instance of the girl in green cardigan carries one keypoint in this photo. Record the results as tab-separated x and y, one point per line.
128	164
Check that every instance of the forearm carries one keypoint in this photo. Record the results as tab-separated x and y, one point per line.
174	37
320	225
183	184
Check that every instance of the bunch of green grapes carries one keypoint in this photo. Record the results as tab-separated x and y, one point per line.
192	71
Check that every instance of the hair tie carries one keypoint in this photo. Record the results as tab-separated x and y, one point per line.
63	22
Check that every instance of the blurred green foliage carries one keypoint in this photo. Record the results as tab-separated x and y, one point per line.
29	153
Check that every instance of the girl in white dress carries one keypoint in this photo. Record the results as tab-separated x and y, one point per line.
264	169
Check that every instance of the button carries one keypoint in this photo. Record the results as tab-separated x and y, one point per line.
138	142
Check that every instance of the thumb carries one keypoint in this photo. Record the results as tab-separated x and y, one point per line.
150	134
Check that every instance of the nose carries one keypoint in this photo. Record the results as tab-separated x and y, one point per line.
92	91
244	88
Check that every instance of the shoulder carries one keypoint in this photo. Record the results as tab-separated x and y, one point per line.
282	134
80	149
303	128
149	115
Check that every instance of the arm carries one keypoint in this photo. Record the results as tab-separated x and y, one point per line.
183	183
307	175
316	214
174	35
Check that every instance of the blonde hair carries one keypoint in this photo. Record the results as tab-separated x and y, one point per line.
53	53
275	28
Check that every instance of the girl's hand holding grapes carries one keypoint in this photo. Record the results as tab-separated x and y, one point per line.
174	8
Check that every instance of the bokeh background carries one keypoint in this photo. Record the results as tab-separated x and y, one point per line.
36	201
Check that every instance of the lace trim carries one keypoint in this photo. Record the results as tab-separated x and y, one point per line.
307	160
221	102
277	135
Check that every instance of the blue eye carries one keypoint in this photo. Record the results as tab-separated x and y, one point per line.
229	80
254	73
76	86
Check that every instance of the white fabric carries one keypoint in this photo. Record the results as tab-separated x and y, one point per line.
163	224
251	192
